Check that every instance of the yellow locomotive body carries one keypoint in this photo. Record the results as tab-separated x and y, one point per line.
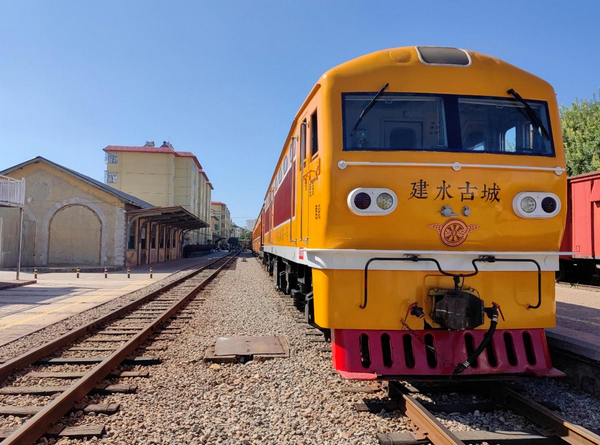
416	200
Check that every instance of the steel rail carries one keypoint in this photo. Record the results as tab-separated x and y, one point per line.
36	427
52	346
567	431
427	423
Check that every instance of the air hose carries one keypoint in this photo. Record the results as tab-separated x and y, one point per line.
491	312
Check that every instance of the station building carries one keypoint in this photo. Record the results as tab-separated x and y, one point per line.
223	226
163	177
73	220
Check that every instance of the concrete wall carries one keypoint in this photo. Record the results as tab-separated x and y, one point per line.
9	236
67	222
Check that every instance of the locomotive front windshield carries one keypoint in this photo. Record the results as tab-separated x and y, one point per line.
448	123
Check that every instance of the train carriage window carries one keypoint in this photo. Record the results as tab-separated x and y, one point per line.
314	135
444	123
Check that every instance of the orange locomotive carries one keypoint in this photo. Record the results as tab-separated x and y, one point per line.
416	212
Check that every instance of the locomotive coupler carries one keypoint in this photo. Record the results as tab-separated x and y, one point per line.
458	310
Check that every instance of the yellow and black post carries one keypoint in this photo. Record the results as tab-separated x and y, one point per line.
128	272
150	272
78	270
35	273
105	272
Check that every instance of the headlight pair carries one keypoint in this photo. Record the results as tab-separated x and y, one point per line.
372	201
536	204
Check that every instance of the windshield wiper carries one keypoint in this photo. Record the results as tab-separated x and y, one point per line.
535	120
368	108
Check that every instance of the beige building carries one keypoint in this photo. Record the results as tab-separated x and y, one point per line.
163	177
238	231
73	220
224	224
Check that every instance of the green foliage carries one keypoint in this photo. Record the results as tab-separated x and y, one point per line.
581	134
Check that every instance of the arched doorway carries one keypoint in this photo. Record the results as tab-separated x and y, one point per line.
75	235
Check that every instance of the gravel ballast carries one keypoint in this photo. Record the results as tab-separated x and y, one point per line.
295	400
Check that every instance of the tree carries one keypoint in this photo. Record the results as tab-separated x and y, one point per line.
581	135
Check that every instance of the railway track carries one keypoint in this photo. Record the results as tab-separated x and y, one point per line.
550	428
101	347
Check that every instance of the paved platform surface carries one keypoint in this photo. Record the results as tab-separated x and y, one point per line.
57	296
577	322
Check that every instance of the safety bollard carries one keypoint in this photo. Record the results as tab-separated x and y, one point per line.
35	273
150	272
105	272
128	272
78	270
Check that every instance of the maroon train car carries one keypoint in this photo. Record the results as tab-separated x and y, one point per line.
582	231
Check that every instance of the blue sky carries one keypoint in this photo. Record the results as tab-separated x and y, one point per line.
224	79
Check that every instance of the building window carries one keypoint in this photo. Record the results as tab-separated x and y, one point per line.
161	237
111	158
110	177
153	238
131	244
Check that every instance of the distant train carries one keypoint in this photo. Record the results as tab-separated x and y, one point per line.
416	212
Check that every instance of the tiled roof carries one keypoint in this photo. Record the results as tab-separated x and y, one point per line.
139	149
124	197
218	203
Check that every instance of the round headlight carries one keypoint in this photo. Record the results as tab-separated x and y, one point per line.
528	204
362	201
385	201
549	204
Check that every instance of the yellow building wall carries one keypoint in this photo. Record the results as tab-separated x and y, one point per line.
59	210
164	179
81	244
147	176
184	190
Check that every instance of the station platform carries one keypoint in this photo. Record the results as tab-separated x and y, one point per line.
577	328
59	295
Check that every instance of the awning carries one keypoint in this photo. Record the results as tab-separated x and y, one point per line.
176	217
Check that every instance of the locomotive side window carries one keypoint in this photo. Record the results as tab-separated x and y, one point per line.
303	142
444	122
314	135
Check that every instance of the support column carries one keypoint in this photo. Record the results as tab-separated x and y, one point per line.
148	241
163	230
20	242
138	230
179	243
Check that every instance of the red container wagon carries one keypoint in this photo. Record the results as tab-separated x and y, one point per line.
582	231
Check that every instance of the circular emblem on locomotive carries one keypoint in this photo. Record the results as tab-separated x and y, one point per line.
453	232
